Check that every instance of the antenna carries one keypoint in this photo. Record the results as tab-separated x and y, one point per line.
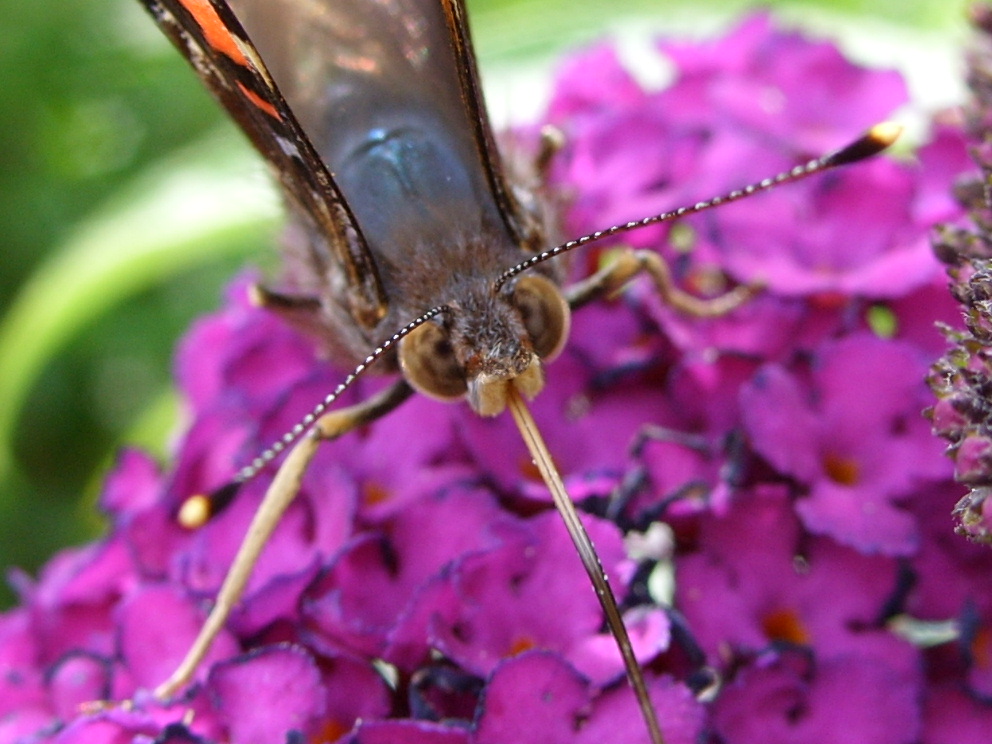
196	510
868	144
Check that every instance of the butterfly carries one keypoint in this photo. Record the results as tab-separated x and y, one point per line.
415	249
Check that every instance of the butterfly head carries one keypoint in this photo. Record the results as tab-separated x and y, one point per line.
489	340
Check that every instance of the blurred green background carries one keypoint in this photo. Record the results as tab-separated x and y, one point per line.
126	203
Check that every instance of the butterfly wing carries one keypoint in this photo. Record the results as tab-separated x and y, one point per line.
523	219
397	70
217	46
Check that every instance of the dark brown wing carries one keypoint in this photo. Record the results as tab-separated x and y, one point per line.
354	68
216	45
525	226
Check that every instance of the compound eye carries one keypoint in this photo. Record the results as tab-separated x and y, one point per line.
429	364
545	314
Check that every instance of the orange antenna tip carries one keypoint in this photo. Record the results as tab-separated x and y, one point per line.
194	512
867	145
886	132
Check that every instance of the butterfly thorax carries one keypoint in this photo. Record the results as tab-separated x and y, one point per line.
437	238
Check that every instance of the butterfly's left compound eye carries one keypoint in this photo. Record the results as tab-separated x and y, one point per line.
429	364
545	314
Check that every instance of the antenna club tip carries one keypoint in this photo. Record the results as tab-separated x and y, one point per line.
194	512
256	295
867	145
885	133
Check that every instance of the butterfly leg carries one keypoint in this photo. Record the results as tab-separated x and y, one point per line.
262	296
302	312
552	141
630	263
278	497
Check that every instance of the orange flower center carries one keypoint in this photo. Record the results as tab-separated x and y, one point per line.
842	470
785	625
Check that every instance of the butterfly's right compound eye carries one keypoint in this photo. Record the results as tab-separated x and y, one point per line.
429	363
544	312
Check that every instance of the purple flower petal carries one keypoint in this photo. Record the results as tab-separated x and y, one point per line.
753	76
535	697
77	679
616	717
157	625
743	590
262	696
952	717
361	598
853	436
536	595
353	692
840	699
408	732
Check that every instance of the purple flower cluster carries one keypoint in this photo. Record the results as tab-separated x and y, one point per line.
962	378
421	590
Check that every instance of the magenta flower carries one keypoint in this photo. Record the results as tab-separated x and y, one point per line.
792	698
746	561
799	582
852	436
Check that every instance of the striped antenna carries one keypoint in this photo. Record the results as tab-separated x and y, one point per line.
868	144
196	510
